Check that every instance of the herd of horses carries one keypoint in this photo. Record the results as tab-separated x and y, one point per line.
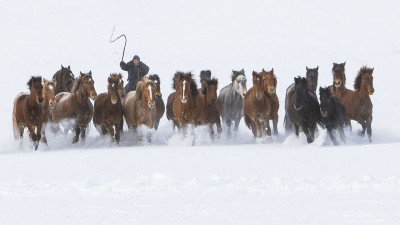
65	100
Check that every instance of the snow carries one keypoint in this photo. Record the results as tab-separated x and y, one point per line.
237	180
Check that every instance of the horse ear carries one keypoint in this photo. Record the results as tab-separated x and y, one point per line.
317	68
69	67
81	73
90	73
109	80
62	66
54	81
306	68
344	63
254	73
335	64
272	70
372	69
263	70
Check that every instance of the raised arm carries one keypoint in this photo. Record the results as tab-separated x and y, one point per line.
123	65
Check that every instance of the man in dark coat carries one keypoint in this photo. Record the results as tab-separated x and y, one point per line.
136	70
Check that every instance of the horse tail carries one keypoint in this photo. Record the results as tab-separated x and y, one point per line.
321	121
14	116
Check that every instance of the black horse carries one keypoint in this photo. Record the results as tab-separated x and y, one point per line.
333	113
312	81
303	109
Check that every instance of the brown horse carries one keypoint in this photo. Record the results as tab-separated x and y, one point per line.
185	101
49	102
270	83
139	106
64	80
339	80
257	106
210	106
160	106
28	111
76	105
357	103
108	112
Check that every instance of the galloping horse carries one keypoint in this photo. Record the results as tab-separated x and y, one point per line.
49	102
64	80
270	83
210	107
139	106
339	80
257	107
312	82
76	105
160	106
185	101
231	100
357	103
108	112
28	111
304	110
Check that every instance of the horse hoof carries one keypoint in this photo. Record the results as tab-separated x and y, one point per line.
36	144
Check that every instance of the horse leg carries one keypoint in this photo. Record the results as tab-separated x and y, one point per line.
259	129
110	129
118	132
32	134
44	139
156	123
229	123
306	131
266	122
83	133
237	121
296	128
288	124
275	124
219	128
211	130
369	129
77	133
332	136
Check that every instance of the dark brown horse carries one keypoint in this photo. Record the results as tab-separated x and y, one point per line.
270	83
160	106
139	106
339	80
357	103
76	106
28	111
204	76
257	106
64	80
49	102
185	101
108	112
210	106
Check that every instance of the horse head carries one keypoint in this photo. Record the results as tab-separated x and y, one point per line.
312	78
86	84
186	86
365	81
114	87
301	92
239	82
258	84
339	76
210	91
66	78
146	91
36	87
156	79
48	92
324	97
270	82
204	76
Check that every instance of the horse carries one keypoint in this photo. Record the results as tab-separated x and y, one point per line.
186	101
333	113
76	106
339	80
49	102
210	106
257	107
231	100
28	111
108	112
270	83
160	106
312	82
304	110
64	80
357	103
140	107
204	76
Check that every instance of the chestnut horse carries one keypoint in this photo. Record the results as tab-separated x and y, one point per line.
64	80
357	103
49	102
184	106
76	106
160	106
270	83
257	106
210	106
139	106
28	111
108	112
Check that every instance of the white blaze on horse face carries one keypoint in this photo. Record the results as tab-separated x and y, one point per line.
184	86
151	93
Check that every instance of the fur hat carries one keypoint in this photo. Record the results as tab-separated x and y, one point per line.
136	57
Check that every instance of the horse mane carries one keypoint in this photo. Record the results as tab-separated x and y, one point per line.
212	81
154	77
193	85
236	74
34	79
78	81
177	75
362	71
205	75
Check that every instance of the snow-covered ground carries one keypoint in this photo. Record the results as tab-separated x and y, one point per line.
235	180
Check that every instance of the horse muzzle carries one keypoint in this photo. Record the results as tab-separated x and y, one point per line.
298	108
158	95
183	100
371	92
243	94
213	101
259	96
151	105
40	100
337	84
272	91
324	113
93	96
52	104
114	101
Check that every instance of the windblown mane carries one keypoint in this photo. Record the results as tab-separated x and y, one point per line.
34	79
237	73
176	77
193	85
361	72
154	77
212	81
